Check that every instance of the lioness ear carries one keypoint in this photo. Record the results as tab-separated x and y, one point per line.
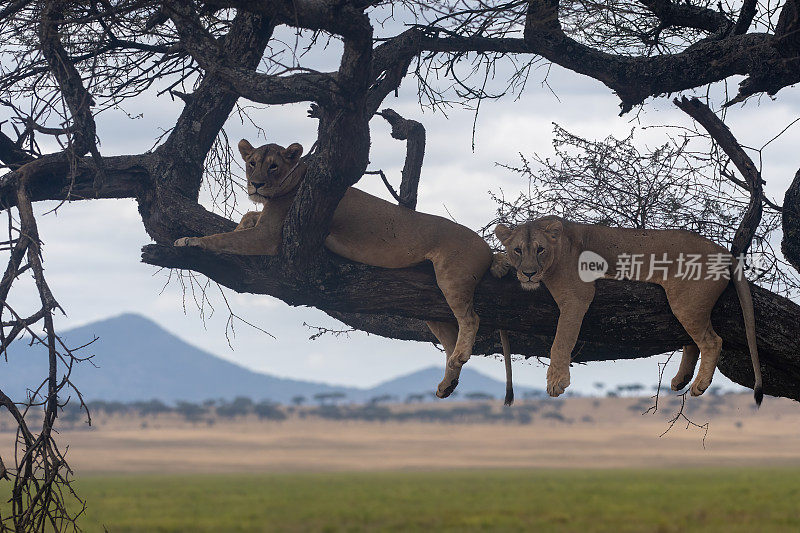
553	230
293	152
245	148
502	232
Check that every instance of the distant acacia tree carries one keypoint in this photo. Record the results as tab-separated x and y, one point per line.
415	398
298	400
240	406
63	63
329	398
190	411
479	396
382	398
268	410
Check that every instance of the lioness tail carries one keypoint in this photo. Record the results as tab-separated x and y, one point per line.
507	359
746	301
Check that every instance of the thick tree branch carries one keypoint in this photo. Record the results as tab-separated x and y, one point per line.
57	177
390	62
752	177
200	122
177	167
216	61
746	15
414	133
77	98
10	153
787	30
687	15
13	8
625	320
636	78
340	17
791	223
342	156
783	69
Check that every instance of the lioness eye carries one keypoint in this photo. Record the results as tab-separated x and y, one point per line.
273	166
540	249
252	163
518	251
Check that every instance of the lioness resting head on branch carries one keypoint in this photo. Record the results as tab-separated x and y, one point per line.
567	257
368	230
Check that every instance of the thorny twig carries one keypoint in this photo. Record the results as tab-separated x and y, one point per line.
42	483
320	331
689	423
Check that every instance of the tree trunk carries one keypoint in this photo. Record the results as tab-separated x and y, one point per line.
791	223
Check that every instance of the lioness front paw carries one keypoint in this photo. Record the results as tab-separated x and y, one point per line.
187	241
249	220
557	380
500	265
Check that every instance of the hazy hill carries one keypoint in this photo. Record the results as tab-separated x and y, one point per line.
426	380
135	359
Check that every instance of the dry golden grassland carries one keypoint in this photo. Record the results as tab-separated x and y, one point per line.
569	433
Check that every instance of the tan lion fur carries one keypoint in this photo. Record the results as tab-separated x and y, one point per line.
368	230
547	250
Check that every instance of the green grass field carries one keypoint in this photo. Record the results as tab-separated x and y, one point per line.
551	500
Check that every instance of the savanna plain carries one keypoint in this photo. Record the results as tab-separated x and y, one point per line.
577	464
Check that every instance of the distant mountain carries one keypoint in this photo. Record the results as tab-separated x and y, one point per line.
136	359
425	381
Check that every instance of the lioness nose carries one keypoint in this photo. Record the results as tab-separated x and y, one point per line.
256	185
529	274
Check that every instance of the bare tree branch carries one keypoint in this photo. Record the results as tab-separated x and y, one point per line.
723	136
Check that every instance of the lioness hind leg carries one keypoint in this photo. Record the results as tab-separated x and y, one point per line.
692	308
467	330
447	334
458	272
686	370
460	301
710	347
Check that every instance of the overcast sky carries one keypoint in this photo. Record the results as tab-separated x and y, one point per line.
92	249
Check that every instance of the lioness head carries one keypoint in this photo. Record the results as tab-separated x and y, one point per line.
272	170
531	248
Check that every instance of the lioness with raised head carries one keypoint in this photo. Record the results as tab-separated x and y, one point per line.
552	250
368	230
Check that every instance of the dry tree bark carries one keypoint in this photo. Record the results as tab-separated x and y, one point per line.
752	177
